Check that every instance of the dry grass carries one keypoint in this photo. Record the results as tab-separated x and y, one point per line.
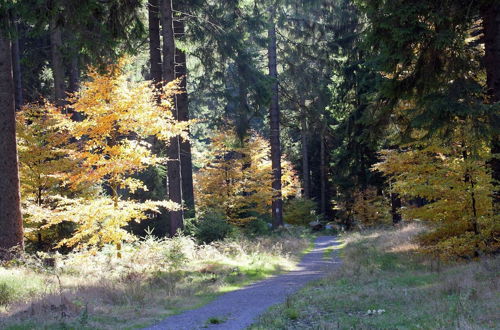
153	279
383	271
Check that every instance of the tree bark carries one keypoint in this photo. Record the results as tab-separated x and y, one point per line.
16	65
322	167
395	208
173	163
305	156
183	115
274	116
154	41
491	27
11	232
57	61
168	48
74	74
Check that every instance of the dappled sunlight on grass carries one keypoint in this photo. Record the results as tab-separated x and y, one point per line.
153	279
384	283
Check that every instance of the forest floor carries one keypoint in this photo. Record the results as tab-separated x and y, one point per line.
384	283
153	280
239	309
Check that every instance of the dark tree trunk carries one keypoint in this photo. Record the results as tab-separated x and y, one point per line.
11	225
395	208
322	169
305	156
16	65
173	164
274	116
183	115
155	64
57	62
168	48
154	41
242	116
74	83
74	75
491	21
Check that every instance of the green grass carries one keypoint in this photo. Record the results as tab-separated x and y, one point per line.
16	286
143	287
328	252
382	272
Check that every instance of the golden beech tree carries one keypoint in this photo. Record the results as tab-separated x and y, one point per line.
110	147
453	178
44	161
236	177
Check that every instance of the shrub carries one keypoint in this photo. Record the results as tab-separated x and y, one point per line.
370	208
212	227
190	226
257	227
299	211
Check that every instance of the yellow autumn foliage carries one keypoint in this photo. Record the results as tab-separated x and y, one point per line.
236	177
453	178
108	146
43	164
369	208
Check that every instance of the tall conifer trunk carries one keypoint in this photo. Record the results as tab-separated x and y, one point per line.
11	225
491	22
16	66
173	164
183	115
274	116
57	61
154	41
305	155
74	74
322	169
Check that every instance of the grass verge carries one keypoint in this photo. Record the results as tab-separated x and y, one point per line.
153	279
384	283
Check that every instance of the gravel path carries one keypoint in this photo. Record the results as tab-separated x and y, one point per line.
240	308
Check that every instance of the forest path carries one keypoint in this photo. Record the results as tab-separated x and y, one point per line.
239	309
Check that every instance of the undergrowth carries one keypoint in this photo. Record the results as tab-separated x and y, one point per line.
385	283
153	279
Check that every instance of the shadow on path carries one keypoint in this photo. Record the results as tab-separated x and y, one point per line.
239	309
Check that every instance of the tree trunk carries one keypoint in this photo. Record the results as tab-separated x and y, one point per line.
322	169
74	83
154	41
395	208
155	68
167	32
183	115
173	163
57	62
16	65
305	156
274	116
491	22
11	233
74	74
